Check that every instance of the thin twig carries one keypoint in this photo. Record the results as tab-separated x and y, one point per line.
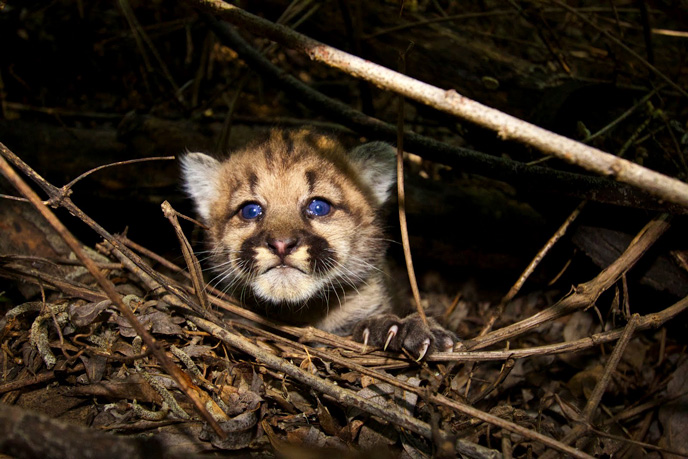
55	261
584	295
118	163
153	256
401	202
191	261
513	291
609	369
596	396
39	277
623	116
13	198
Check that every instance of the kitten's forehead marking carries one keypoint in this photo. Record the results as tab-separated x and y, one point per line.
321	178
252	181
311	177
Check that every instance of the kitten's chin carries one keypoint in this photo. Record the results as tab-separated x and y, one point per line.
285	285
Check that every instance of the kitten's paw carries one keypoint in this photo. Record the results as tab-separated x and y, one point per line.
392	333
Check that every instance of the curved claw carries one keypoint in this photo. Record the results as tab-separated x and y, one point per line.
366	335
423	349
390	334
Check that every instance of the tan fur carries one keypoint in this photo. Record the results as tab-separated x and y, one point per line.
331	279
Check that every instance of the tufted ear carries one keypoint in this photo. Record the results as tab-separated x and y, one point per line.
200	175
376	163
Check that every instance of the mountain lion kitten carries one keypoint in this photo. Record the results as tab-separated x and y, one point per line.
296	232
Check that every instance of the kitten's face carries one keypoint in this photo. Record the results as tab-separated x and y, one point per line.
294	217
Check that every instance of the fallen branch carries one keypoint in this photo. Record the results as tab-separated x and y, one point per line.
540	179
449	101
646	322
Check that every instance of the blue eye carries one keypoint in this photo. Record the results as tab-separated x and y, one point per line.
251	211
318	208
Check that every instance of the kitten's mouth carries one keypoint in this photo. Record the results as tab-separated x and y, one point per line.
284	283
282	267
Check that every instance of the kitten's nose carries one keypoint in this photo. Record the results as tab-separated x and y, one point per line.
282	246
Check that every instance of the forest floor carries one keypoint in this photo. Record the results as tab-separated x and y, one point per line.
583	355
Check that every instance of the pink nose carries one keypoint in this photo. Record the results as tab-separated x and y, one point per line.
282	247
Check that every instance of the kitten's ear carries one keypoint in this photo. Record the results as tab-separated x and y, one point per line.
200	174
376	163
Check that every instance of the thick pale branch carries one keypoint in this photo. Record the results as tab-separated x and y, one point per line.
507	127
524	176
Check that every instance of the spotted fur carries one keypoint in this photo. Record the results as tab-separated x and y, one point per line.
321	268
323	271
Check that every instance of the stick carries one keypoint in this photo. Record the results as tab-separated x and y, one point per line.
401	204
526	176
449	101
189	257
513	291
